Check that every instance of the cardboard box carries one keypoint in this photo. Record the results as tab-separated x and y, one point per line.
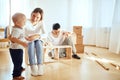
2	33
79	39
79	48
77	29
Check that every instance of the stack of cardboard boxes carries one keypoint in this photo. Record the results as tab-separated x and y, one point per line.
79	39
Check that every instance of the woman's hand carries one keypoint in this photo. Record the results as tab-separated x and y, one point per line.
33	37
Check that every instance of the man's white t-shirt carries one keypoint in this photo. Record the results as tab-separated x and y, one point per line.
56	40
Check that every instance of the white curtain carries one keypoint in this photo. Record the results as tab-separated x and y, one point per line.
96	17
9	7
4	13
100	18
115	30
22	6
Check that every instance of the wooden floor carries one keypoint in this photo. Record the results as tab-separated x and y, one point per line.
86	68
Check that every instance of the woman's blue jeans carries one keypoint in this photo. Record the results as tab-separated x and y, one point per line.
35	48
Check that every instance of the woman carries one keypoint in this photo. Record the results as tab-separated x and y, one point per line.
34	30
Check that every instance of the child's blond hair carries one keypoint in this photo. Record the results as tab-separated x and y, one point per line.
18	17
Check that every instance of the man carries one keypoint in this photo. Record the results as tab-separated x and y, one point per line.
60	37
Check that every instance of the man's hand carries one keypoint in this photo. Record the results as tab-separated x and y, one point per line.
66	34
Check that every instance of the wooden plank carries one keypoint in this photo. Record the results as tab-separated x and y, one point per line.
2	29
114	65
4	40
106	68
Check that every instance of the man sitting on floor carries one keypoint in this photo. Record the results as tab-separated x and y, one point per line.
59	37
